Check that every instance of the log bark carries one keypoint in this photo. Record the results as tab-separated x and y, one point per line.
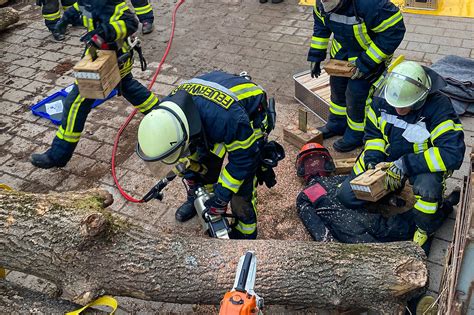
71	240
8	16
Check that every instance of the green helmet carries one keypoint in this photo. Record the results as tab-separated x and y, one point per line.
163	134
407	85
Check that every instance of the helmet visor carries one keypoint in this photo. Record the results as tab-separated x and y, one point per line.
401	91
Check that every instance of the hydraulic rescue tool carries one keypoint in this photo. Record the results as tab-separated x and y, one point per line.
215	225
242	299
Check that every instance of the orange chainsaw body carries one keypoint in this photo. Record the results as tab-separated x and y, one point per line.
238	303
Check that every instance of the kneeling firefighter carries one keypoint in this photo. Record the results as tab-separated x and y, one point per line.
203	119
412	125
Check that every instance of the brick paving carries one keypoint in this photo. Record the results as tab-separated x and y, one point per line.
269	41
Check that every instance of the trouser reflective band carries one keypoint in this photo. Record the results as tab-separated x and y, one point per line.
52	16
356	126
227	181
425	206
246	228
337	109
143	10
68	136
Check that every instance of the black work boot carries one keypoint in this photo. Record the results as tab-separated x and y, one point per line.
58	36
327	133
44	160
263	1
147	27
343	146
187	211
277	1
450	201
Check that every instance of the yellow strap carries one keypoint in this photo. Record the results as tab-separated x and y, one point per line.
105	300
5	187
396	62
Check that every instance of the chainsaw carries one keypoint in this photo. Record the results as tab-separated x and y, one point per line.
242	299
215	225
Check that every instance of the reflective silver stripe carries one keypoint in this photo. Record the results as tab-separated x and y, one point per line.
214	85
374	53
226	181
394	120
219	149
349	20
360	30
433	159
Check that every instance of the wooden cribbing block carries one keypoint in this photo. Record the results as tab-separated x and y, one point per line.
96	79
370	185
339	68
299	138
344	166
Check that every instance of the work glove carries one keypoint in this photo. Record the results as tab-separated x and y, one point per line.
215	206
95	38
357	74
40	2
315	69
266	175
395	176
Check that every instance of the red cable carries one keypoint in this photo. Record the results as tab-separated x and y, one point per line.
129	118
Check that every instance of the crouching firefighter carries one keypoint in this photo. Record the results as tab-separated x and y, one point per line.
110	25
412	125
204	119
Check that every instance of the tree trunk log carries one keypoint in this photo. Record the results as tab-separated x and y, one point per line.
19	300
71	240
8	16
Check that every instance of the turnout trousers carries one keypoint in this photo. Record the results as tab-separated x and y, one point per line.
428	213
347	107
243	204
143	10
51	13
77	108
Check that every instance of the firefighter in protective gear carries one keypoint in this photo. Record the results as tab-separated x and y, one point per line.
412	125
204	119
366	33
144	11
109	23
51	14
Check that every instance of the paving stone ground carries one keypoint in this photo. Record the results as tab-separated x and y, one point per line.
268	41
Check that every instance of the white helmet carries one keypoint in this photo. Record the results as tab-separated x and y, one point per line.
163	134
407	85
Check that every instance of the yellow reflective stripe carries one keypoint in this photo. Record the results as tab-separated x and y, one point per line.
383	124
335	47
151	101
318	14
375	53
319	42
72	137
71	118
245	90
360	32
52	16
76	6
391	21
219	150
356	126
425	206
143	10
433	160
246	228
375	145
359	166
119	25
444	127
420	147
337	109
244	144
372	117
229	182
